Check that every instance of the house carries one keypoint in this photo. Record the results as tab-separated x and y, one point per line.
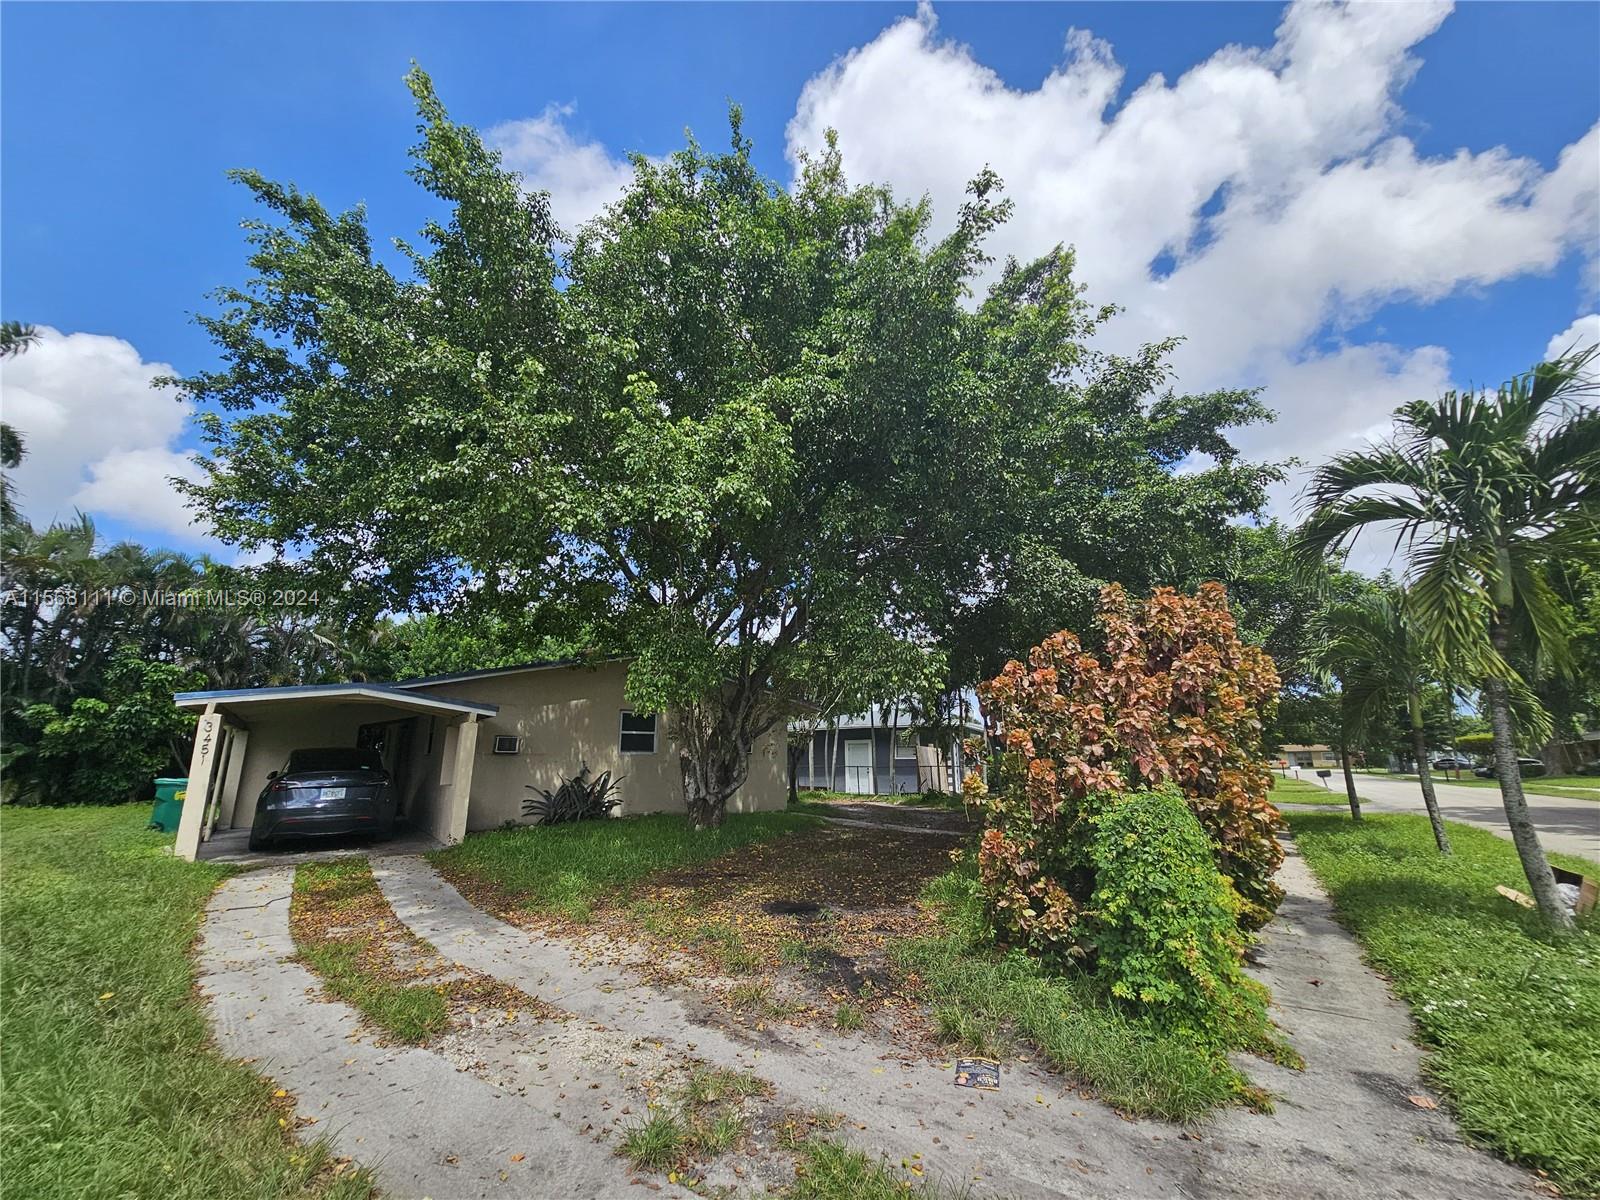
879	752
463	748
1310	756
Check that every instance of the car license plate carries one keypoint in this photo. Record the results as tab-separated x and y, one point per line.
331	794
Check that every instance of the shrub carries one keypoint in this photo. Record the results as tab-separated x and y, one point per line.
1175	697
106	750
579	798
1163	922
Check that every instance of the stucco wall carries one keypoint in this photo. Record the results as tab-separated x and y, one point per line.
569	716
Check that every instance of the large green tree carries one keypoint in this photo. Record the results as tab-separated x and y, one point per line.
1488	492
731	424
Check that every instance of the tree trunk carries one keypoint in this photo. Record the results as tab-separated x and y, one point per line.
707	788
1419	746
1523	835
715	743
794	774
1349	779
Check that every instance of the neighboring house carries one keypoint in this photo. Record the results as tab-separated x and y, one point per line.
879	753
462	747
1563	757
1309	756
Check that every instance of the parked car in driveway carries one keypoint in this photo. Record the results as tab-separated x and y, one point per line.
335	790
1528	768
1453	764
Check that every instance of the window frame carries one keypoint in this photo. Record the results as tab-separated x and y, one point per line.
623	732
904	743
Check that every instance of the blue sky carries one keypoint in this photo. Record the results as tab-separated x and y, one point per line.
1347	208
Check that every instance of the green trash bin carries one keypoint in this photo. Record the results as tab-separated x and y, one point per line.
169	804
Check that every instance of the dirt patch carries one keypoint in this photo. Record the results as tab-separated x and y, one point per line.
795	930
364	954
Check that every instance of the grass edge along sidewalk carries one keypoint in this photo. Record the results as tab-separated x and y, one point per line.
112	1085
1506	1011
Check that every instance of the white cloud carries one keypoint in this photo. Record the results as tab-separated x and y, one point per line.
582	177
132	485
1579	336
99	435
1271	182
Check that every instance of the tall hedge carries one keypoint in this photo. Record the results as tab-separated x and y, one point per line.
1174	697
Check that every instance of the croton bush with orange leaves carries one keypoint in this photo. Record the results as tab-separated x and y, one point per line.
1174	697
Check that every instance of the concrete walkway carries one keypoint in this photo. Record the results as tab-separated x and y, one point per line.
1345	1127
423	1123
1568	824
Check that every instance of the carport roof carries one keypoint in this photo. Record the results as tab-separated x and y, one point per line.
382	693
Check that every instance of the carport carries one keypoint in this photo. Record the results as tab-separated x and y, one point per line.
428	742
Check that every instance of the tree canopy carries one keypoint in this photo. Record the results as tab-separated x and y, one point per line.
734	430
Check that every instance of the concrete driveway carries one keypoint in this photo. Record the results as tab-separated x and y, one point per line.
1571	826
521	1108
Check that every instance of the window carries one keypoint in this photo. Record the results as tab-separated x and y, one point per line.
507	744
638	733
905	744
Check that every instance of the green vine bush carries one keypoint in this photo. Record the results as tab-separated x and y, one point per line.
1163	921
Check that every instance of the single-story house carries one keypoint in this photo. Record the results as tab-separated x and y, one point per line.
463	748
1310	756
879	752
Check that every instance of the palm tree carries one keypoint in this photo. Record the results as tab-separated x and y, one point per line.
1381	661
1485	492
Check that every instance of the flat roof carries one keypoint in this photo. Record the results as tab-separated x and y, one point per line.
385	693
486	672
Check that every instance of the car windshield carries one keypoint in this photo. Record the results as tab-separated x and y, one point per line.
337	758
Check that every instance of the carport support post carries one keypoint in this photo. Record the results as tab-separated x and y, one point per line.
460	794
198	793
239	739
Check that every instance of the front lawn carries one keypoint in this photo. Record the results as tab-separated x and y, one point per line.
1288	790
1509	1013
111	1086
568	869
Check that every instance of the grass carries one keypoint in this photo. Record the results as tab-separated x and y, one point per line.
1508	1012
568	869
849	1017
984	1000
829	1170
339	916
706	1120
111	1085
1288	790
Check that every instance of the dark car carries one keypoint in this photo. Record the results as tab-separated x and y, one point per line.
338	790
1452	764
1527	768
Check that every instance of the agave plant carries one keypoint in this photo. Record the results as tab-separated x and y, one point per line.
579	798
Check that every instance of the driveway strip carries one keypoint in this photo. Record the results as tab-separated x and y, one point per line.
427	1127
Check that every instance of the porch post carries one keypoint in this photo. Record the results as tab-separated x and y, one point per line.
238	743
454	828
198	794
